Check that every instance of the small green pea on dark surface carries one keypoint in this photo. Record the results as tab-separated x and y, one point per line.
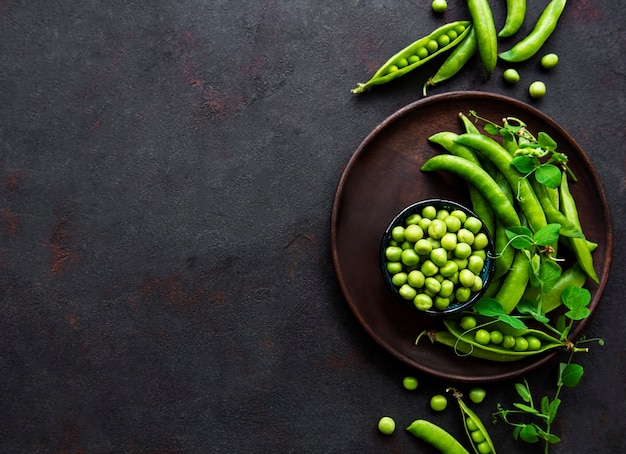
537	89
439	6
549	61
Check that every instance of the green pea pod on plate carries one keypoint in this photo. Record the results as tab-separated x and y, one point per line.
424	49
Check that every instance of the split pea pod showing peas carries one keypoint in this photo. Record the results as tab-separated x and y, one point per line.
474	427
544	27
462	348
436	437
486	34
457	59
478	178
515	14
424	49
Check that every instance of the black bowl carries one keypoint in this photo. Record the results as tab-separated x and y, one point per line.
485	274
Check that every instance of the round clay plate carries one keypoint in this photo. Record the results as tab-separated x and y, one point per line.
383	176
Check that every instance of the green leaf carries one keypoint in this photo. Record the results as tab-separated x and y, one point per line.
529	433
576	299
554	408
526	408
548	175
570	375
491	129
545	141
489	306
517	431
524	164
545	405
547	235
520	237
549	274
523	391
532	308
512	321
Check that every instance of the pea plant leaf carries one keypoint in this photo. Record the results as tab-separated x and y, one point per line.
520	237
524	391
491	307
491	129
532	308
529	433
576	299
548	175
546	142
512	321
553	409
547	235
549	274
570	374
524	164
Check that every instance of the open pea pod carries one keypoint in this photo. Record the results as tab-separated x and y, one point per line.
547	341
476	431
462	348
424	49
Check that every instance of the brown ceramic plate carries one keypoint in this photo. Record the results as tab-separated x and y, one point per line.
383	176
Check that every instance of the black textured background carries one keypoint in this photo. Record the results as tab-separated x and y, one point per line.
167	171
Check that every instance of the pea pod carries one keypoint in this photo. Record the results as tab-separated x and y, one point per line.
547	342
526	197
515	15
468	124
478	178
505	253
553	215
474	428
486	34
579	245
457	59
573	276
462	348
514	283
544	27
424	49
436	437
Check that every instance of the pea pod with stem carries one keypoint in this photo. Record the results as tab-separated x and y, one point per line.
544	27
474	428
453	64
486	34
419	52
436	437
515	15
462	348
477	177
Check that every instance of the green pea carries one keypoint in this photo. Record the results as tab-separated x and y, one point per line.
442	303
549	61
447	288
397	233
462	294
462	250
533	343
466	278
483	448
413	219
482	336
508	341
461	263
439	6
410	257
437	229
496	337
410	383
386	425
433	242
467	322
416	279
414	58
453	34
460	28
477	285
402	62
393	253
473	224
471	424
429	268
477	395
438	402
475	264
399	279
521	344
413	233
424	223
465	236
480	253
442	214
453	223
406	245
537	89
449	269
439	256
480	241
392	69
432	285
429	212
394	267
407	292
510	76
423	246
423	302
448	241
432	46
477	436
459	214
443	40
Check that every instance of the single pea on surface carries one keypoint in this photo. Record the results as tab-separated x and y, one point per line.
386	425
438	402
439	6
537	89
477	395
510	76
549	61
410	383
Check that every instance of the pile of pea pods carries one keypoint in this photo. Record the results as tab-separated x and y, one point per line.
464	38
486	165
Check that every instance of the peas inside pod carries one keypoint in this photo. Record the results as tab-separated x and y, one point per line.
437	258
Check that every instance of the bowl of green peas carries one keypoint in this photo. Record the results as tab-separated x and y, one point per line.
437	257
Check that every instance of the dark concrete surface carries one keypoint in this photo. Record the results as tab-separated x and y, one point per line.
167	171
